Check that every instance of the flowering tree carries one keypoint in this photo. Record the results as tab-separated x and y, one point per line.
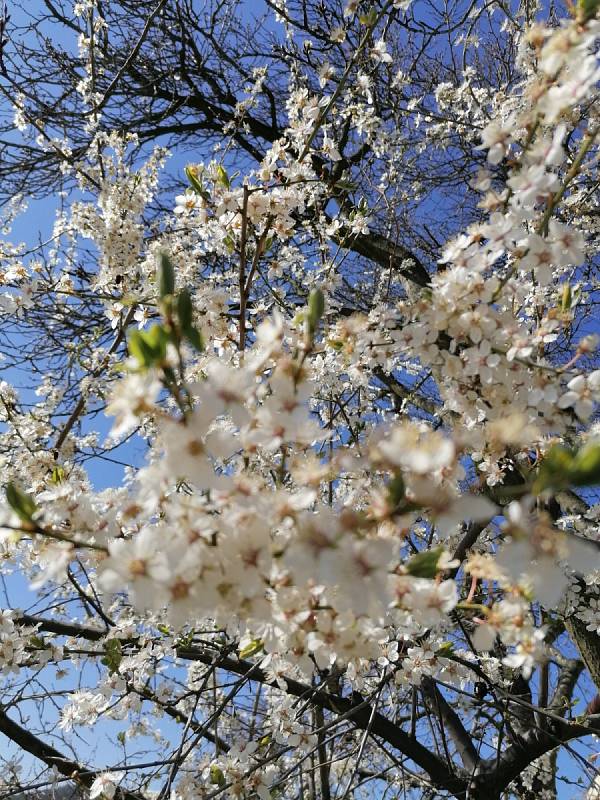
350	544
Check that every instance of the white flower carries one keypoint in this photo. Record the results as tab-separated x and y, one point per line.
326	72
54	561
495	139
364	563
140	563
225	391
141	315
185	203
105	785
531	184
417	663
379	52
417	450
481	361
538	552
539	258
113	312
466	507
504	619
528	652
132	399
568	244
583	394
329	147
431	601
337	35
191	449
549	151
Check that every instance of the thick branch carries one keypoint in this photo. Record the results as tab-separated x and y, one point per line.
450	719
52	757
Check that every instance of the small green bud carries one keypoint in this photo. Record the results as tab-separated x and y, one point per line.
566	297
316	309
58	475
139	349
346	186
370	18
562	468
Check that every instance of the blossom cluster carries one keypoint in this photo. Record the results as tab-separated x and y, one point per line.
311	473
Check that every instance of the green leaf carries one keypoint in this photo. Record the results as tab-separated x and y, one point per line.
587	10
195	338
223	177
346	186
396	490
424	565
185	640
165	276
113	655
184	309
139	349
562	467
585	470
20	502
252	648
193	176
149	348
185	314
554	470
216	776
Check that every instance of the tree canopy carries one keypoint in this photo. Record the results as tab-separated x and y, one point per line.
299	401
